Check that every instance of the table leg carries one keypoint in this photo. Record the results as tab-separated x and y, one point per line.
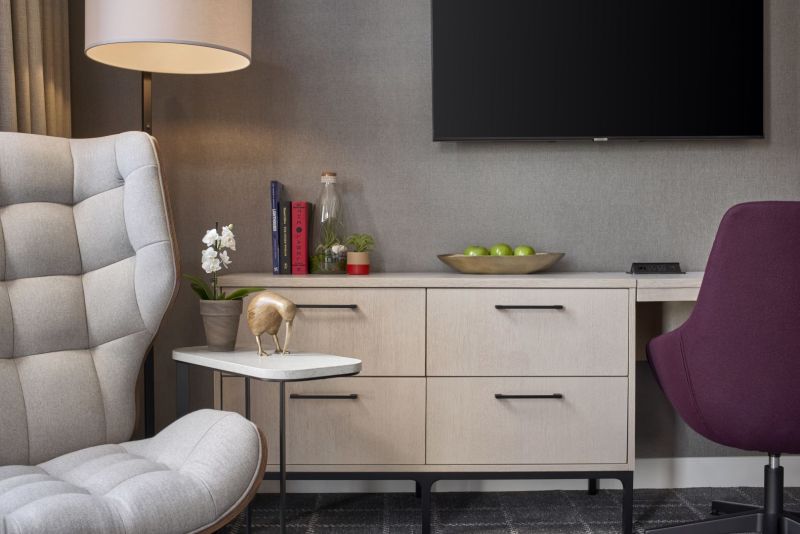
282	405
182	389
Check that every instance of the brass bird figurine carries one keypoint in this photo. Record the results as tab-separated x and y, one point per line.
265	313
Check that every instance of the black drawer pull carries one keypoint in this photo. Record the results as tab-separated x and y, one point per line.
529	307
552	396
327	306
351	396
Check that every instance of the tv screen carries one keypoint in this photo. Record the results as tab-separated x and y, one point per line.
597	69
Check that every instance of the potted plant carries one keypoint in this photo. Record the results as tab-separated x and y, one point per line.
220	312
358	256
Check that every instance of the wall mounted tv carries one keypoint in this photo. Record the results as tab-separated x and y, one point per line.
597	69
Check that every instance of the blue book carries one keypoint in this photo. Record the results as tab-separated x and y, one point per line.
275	197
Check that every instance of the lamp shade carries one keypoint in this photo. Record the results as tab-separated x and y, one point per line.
171	36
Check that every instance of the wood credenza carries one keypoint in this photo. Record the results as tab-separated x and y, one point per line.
463	377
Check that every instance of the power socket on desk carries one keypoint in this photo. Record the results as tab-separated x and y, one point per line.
656	268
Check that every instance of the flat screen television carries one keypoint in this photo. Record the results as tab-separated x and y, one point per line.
597	69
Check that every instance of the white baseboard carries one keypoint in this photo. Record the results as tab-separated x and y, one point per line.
650	473
715	472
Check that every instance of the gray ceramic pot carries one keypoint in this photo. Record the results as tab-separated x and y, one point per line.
221	321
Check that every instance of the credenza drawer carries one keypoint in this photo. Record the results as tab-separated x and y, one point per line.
528	332
385	328
352	421
557	421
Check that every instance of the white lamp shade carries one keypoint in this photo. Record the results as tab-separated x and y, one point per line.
173	36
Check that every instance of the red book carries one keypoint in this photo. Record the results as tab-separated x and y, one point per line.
300	234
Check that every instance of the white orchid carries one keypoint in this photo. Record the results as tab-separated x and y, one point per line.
215	258
209	254
211	238
223	257
227	240
211	266
211	262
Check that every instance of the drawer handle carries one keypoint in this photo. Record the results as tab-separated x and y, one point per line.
552	396
327	306
352	396
529	307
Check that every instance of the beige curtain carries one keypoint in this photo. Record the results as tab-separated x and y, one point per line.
34	67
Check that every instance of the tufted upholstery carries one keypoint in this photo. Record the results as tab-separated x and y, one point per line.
182	480
87	270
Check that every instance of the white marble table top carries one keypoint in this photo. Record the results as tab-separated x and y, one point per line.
293	366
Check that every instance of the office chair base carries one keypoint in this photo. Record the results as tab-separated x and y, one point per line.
736	523
725	507
733	518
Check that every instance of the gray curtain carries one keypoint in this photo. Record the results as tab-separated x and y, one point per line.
34	67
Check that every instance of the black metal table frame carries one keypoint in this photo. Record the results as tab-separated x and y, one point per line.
182	408
424	479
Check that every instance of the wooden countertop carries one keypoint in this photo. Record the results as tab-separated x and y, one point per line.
650	288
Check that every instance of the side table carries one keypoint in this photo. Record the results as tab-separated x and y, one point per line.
294	367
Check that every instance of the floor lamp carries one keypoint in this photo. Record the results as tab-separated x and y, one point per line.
174	37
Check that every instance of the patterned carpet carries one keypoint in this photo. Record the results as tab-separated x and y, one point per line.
545	512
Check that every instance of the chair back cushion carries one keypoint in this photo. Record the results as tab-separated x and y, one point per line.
87	270
741	345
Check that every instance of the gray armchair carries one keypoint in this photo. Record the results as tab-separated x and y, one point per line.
87	271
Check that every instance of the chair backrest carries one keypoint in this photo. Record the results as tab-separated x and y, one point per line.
742	342
87	270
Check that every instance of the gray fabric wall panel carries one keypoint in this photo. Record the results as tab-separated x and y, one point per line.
40	240
63	403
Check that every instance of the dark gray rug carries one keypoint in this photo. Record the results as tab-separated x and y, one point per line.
541	512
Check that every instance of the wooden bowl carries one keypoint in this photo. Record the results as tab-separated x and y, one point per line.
535	263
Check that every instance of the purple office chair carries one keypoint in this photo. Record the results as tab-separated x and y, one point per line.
732	371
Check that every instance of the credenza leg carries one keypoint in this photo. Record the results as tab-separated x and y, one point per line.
592	486
627	503
417	489
425	495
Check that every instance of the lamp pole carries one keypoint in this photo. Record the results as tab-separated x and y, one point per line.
149	361
147	102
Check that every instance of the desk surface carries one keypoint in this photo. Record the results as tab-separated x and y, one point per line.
276	368
650	288
668	287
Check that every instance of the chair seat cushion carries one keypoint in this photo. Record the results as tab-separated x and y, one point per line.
186	478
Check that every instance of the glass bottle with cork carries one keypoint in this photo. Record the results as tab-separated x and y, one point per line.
330	253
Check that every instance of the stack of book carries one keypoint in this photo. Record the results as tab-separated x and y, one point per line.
291	232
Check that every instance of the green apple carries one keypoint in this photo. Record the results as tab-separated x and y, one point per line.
524	250
501	249
476	250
